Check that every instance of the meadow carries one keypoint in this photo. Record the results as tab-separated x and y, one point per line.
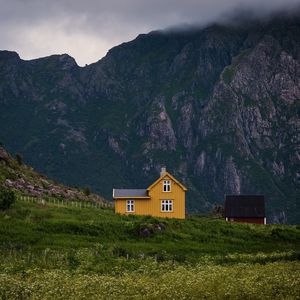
49	252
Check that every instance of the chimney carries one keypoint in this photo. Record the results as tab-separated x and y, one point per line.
163	170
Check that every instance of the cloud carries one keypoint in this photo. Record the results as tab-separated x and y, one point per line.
88	29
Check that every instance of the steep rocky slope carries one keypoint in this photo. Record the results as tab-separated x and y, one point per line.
22	178
220	106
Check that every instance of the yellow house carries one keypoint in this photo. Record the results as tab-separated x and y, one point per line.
164	198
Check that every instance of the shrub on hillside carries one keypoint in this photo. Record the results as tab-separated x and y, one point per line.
7	198
19	159
218	211
87	191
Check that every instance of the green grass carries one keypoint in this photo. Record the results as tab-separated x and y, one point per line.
73	252
36	227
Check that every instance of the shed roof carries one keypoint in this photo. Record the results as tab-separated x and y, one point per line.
252	206
130	193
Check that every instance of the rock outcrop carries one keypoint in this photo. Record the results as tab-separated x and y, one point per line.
24	179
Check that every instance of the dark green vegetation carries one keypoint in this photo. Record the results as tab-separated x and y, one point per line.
106	237
7	198
219	106
68	253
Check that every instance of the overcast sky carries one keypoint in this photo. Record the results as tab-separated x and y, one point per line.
87	29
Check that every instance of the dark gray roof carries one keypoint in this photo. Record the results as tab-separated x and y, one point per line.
130	193
244	206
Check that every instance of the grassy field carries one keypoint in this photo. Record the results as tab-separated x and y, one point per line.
48	252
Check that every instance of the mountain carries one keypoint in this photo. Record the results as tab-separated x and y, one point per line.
219	106
23	179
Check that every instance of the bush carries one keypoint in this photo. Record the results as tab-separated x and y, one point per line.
87	191
218	211
19	159
7	198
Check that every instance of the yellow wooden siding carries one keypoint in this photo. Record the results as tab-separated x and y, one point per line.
153	206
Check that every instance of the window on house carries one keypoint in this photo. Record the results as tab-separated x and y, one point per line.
167	205
130	205
167	186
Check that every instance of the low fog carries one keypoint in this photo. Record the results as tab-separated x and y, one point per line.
86	30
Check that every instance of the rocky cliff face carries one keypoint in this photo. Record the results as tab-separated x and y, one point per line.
219	106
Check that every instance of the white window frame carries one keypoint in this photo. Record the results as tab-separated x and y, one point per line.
130	206
167	186
167	206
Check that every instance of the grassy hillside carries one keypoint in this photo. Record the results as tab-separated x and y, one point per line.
25	180
49	252
37	226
